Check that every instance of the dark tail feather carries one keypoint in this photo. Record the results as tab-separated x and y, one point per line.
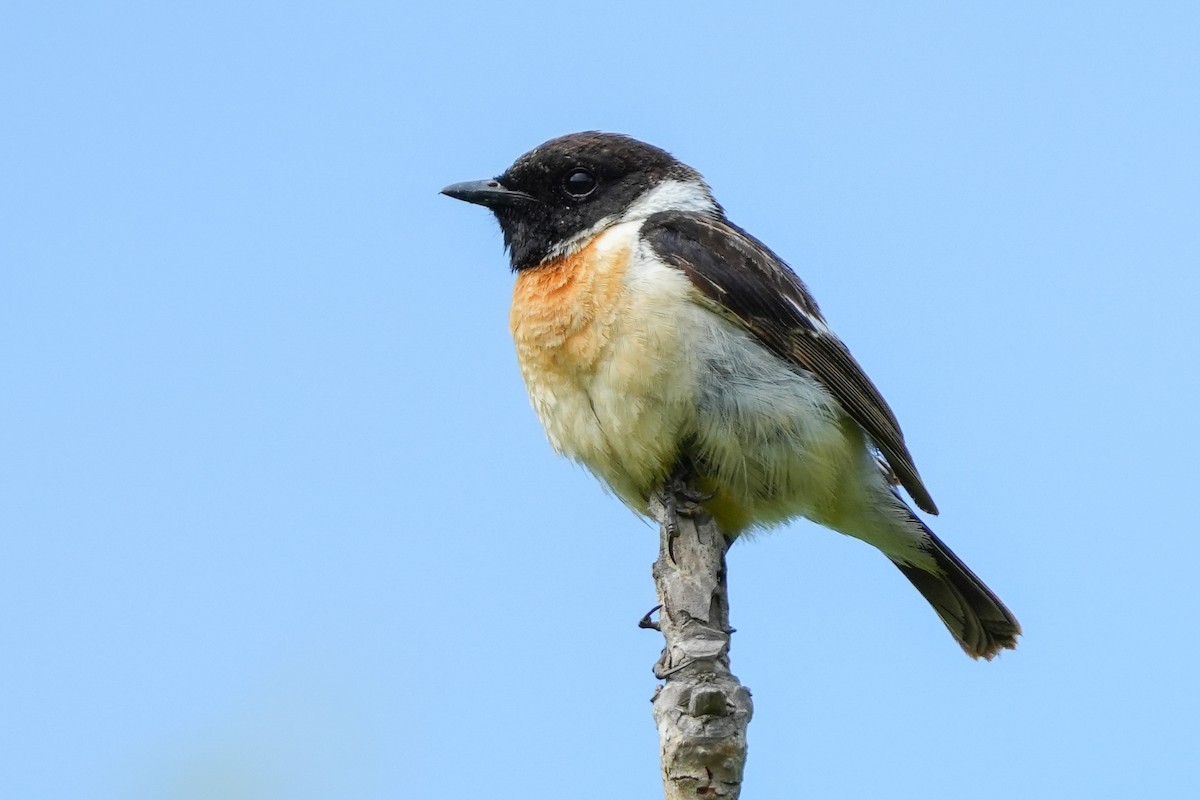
974	615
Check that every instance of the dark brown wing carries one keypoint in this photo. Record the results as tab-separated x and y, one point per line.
750	284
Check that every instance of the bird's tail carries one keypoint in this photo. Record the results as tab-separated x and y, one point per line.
975	616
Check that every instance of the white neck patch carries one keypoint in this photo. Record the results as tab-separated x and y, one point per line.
673	195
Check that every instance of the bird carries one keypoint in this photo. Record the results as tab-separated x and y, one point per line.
657	338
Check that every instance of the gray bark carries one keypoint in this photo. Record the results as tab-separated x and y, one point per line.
701	709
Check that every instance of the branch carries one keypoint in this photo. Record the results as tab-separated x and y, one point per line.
701	709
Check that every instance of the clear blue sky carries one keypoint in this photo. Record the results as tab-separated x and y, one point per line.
276	520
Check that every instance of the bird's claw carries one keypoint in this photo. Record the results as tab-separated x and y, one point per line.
647	622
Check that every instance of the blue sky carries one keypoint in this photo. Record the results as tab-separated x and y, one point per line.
277	520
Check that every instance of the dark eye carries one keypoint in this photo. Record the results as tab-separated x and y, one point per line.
579	183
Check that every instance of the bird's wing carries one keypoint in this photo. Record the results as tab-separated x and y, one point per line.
739	277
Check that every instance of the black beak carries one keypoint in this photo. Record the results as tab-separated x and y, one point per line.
487	193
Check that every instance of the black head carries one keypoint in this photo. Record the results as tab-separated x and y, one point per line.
570	188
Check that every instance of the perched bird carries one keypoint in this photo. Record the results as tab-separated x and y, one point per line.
655	335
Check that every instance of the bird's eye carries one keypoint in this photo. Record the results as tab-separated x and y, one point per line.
579	183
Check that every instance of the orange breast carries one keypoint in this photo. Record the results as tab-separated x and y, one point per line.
563	311
599	366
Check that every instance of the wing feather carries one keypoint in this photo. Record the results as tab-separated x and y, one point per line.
748	283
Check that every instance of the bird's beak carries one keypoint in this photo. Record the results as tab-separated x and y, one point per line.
487	193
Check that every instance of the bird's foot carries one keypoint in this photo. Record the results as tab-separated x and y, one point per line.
681	497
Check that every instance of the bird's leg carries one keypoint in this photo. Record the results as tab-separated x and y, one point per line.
680	495
680	498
